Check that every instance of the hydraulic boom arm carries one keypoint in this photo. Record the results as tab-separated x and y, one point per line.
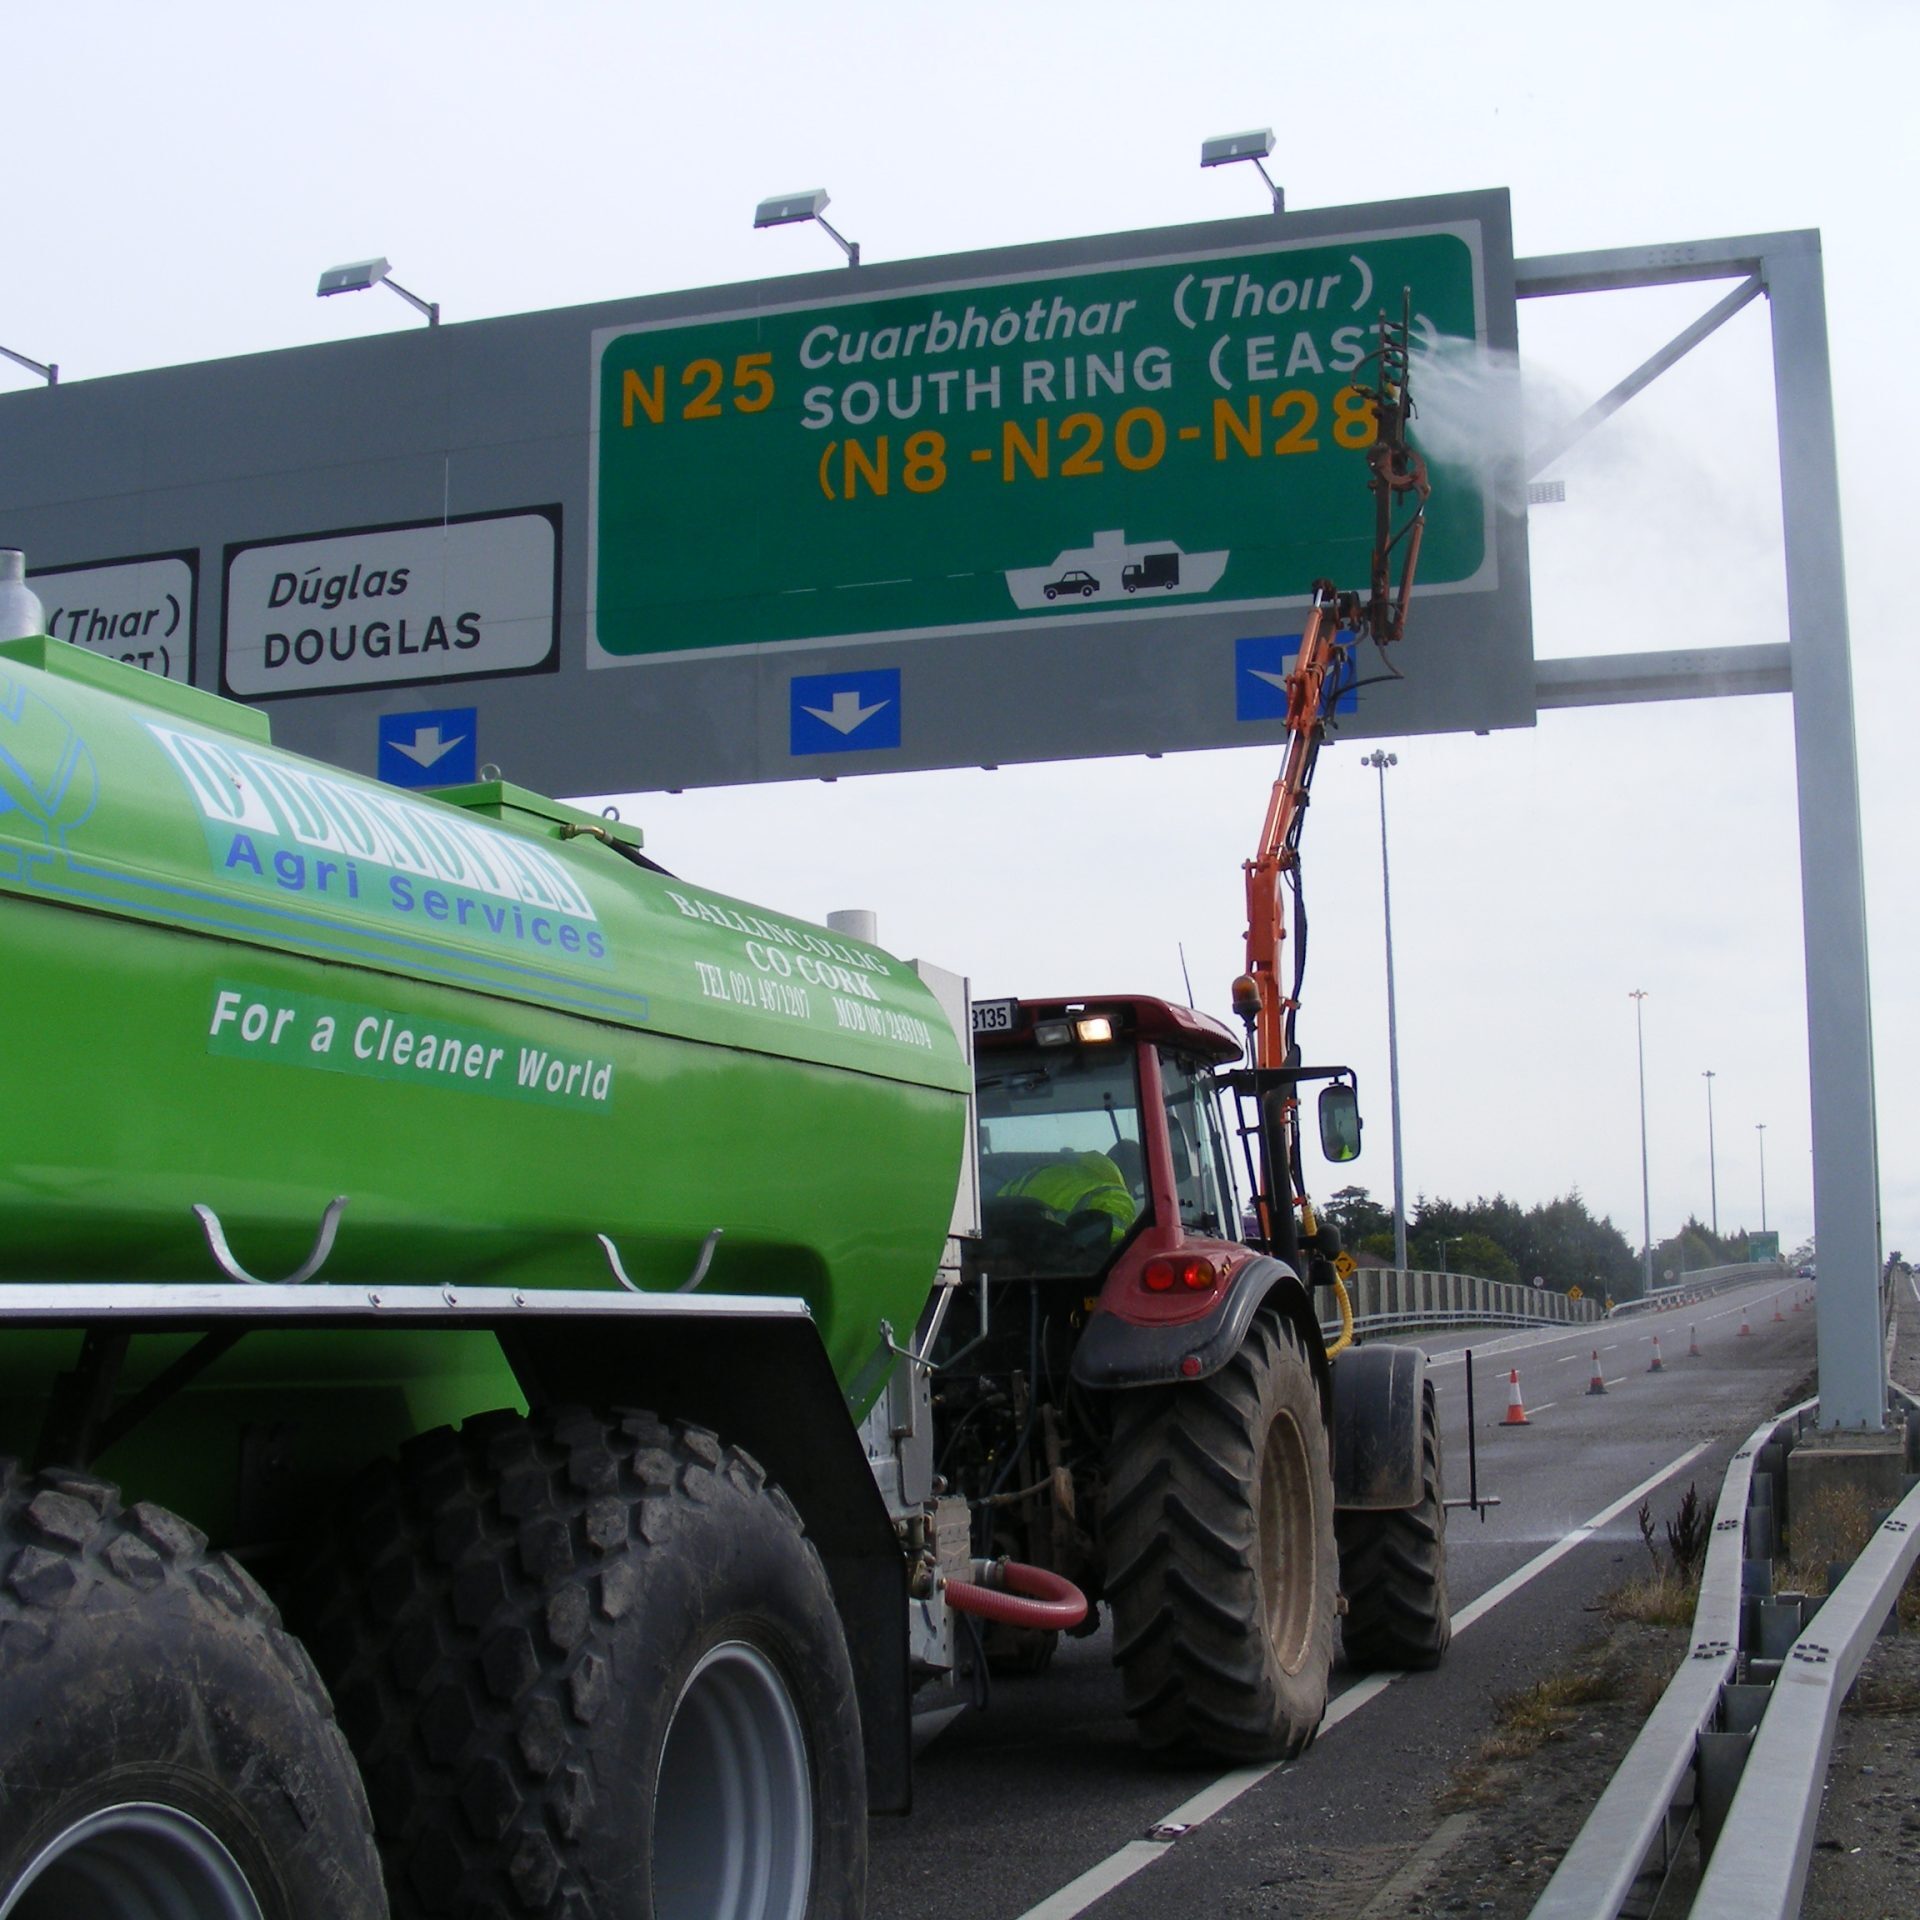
1394	472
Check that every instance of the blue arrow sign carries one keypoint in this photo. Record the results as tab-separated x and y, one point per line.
435	748
844	712
1260	669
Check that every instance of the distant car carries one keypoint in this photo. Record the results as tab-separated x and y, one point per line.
1804	1273
1074	580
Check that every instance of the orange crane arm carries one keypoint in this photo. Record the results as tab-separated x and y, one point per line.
1394	470
1259	992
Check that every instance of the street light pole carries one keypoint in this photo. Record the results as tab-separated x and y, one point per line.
1713	1179
1380	762
1638	996
1760	1127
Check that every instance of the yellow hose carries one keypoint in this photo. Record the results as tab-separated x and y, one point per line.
1346	1319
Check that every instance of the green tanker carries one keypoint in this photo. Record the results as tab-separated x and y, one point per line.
239	980
427	1197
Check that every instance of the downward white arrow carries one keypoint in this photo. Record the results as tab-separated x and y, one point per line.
1272	679
846	713
427	746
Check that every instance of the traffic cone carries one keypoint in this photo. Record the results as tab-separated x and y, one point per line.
1745	1330
1596	1384
1796	1303
1693	1343
1656	1367
1777	1314
1516	1413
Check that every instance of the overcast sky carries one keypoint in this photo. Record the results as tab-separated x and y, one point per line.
178	176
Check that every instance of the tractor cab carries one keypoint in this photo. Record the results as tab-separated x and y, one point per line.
1101	1133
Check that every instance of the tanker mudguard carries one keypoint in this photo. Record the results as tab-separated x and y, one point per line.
1377	1394
1123	1353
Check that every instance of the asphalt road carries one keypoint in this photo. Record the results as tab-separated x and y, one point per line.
1042	1804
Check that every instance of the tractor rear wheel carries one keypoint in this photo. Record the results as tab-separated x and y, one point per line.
592	1664
1220	1554
1393	1570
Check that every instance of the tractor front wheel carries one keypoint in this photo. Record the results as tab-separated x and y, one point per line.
1393	1569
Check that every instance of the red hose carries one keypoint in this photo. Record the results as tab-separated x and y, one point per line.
1021	1596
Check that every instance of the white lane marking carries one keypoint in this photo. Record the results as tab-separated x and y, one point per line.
1566	1360
1544	1405
1117	1868
1478	1609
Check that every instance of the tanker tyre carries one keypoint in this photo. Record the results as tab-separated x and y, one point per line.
1393	1569
592	1667
165	1746
1220	1554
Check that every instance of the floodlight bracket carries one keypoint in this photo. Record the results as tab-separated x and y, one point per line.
49	371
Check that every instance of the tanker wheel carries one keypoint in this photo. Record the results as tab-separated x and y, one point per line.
592	1665
166	1748
1220	1554
1393	1569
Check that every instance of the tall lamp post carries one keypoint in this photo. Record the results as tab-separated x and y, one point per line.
1638	997
1760	1127
1380	762
1713	1179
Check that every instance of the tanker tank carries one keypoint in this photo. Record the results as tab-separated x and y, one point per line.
238	979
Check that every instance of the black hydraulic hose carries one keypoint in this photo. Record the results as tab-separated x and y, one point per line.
577	830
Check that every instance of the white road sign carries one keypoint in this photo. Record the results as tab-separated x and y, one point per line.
140	611
390	606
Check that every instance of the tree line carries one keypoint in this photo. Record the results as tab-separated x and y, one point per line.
1560	1241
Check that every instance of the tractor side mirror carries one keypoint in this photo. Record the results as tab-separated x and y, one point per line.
1340	1122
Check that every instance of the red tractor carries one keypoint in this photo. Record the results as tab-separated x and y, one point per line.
1133	1389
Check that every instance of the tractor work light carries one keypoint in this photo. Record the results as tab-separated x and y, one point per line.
1096	1027
1054	1033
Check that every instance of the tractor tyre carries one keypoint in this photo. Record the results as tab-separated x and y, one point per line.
166	1748
592	1666
1220	1554
1393	1570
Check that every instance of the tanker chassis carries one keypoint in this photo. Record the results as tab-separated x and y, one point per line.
472	1307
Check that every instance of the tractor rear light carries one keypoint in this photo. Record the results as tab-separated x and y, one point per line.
1191	1271
1190	1366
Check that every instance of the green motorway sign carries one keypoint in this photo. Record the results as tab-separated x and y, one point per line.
1180	435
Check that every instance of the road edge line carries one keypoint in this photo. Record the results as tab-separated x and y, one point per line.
1100	1879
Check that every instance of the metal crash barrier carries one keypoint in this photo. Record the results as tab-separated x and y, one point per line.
1734	1753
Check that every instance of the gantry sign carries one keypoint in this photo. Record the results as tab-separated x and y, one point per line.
1041	503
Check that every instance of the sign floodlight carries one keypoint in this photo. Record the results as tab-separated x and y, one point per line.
787	209
1226	148
356	276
